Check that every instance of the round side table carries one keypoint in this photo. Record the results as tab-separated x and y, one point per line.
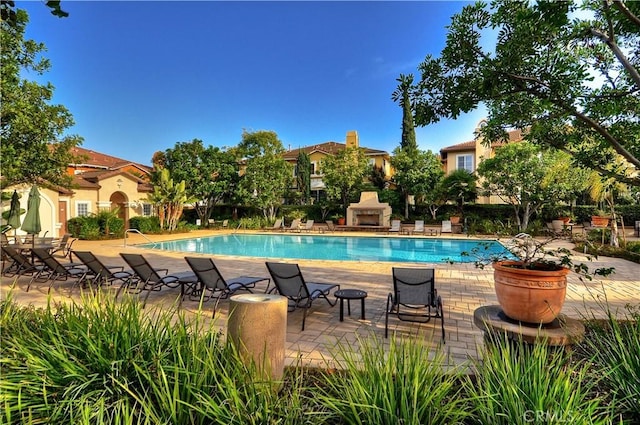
350	294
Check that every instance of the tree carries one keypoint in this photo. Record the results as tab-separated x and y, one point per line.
267	175
416	172
435	197
33	146
567	78
522	175
459	186
402	94
344	173
303	175
378	178
168	198
210	173
9	13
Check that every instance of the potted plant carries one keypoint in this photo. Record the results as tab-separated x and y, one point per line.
601	219
531	280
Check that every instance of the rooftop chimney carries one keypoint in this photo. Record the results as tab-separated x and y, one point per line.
352	139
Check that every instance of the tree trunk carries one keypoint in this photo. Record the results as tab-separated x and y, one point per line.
406	205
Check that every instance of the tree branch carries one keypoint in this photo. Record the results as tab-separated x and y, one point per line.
626	12
635	75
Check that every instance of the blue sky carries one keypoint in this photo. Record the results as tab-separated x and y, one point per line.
139	77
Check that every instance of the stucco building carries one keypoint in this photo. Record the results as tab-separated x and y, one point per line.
100	182
317	153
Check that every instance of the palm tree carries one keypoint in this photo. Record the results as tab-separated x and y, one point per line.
169	198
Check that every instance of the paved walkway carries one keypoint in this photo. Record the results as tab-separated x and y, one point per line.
462	287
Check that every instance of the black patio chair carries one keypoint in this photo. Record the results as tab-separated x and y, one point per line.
210	280
414	297
20	264
103	274
290	283
152	279
54	270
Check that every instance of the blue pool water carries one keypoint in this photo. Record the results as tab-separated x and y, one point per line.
330	247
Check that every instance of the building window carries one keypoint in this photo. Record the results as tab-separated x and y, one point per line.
465	162
313	168
146	210
83	209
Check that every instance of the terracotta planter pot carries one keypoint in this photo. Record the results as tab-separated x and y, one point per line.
532	296
455	219
341	221
599	221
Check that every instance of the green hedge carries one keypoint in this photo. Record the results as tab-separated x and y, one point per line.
103	225
145	224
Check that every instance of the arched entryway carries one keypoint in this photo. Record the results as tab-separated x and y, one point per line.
119	203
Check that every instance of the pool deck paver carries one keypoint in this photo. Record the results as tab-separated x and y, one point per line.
463	288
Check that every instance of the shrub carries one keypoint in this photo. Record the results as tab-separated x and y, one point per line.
84	227
145	224
615	347
407	385
518	383
107	362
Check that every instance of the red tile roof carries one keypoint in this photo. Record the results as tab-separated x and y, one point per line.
330	148
514	136
100	160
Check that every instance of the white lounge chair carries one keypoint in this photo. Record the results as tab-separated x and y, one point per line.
446	226
308	226
418	227
395	226
294	227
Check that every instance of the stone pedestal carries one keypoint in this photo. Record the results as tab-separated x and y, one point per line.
257	327
562	331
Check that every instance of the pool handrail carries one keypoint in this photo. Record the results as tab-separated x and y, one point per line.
138	232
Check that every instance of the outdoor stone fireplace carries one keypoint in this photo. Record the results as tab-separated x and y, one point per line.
369	211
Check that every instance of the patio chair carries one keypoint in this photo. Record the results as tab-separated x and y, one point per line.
20	264
64	247
308	226
414	297
152	279
290	283
103	274
54	270
277	225
330	226
294	227
210	279
395	226
418	227
446	227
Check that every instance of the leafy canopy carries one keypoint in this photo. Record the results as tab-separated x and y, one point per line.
527	177
210	173
417	172
566	71
31	128
344	174
267	176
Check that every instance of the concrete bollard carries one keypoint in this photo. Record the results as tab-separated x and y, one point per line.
257	327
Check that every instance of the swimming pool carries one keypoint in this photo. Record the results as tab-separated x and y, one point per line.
316	247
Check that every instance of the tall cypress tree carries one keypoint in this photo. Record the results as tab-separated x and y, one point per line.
402	94
304	177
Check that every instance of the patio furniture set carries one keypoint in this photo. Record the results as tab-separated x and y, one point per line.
414	296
